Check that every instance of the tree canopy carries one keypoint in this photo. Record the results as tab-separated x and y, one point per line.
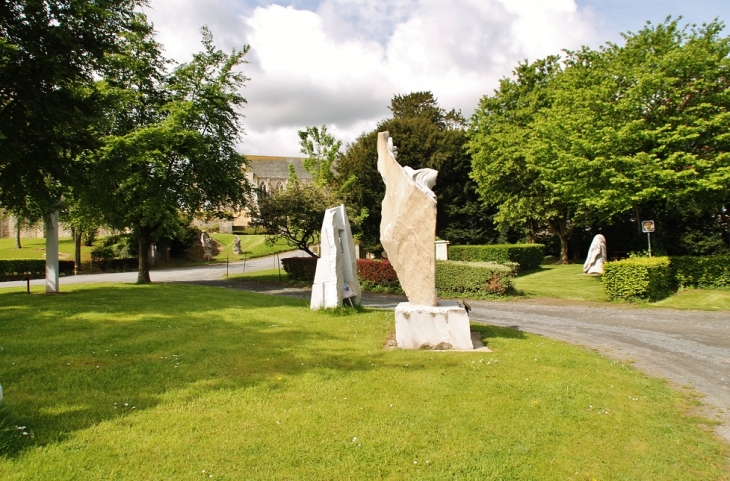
619	131
169	139
426	136
50	51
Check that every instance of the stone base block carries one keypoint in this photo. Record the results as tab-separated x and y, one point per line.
445	326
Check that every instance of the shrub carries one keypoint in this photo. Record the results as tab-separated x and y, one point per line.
118	265
19	269
707	272
639	279
300	269
377	274
474	280
528	256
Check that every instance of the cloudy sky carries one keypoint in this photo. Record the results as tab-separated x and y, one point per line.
339	62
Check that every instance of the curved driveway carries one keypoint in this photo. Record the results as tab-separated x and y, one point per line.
689	348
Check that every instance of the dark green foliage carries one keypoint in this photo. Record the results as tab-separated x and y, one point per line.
639	279
634	131
300	269
426	136
473	280
702	272
14	435
528	256
116	265
50	52
19	269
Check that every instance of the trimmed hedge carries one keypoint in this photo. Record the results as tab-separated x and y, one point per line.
300	269
20	269
706	272
117	265
474	280
528	256
642	279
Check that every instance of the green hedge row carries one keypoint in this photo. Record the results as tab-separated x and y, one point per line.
473	280
528	256
702	272
642	279
19	269
116	265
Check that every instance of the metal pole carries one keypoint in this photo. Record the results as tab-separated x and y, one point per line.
648	236
226	267
278	261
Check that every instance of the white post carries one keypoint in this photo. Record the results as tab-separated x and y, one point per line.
51	227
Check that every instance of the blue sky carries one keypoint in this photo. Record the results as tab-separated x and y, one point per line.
339	62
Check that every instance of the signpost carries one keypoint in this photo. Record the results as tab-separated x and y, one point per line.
648	227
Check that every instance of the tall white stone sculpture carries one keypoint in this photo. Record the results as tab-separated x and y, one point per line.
336	276
408	233
596	256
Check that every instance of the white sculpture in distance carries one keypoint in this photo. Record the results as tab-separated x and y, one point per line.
336	276
408	234
596	256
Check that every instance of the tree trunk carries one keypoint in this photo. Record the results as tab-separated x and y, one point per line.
77	251
17	235
143	274
563	249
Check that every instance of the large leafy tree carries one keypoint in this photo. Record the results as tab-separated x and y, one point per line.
322	151
50	51
426	136
610	132
169	148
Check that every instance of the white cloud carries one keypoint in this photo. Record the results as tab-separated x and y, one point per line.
341	64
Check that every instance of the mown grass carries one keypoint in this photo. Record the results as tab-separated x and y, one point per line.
178	382
251	245
562	282
35	248
567	282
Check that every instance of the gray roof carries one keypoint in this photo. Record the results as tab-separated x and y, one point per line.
271	167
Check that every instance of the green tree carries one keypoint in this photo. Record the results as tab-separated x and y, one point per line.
426	136
171	137
294	214
614	132
322	150
50	51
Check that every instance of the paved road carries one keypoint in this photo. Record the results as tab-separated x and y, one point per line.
689	348
197	273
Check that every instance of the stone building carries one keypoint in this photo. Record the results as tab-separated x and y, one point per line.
267	174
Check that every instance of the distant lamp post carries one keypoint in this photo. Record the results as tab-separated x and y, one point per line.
648	227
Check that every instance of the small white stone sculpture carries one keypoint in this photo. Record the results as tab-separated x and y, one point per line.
408	234
207	244
336	276
596	256
237	245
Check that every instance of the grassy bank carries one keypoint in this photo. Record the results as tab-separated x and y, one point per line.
567	282
179	382
251	245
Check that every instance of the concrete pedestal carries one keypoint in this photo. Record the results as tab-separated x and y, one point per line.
445	326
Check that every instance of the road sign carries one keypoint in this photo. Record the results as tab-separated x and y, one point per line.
647	226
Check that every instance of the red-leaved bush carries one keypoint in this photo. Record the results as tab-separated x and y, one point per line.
377	272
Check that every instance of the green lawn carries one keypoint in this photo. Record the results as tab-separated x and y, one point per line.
183	382
567	282
251	245
35	248
562	282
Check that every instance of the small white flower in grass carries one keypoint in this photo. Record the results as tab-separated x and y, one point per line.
415	462
126	404
354	440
